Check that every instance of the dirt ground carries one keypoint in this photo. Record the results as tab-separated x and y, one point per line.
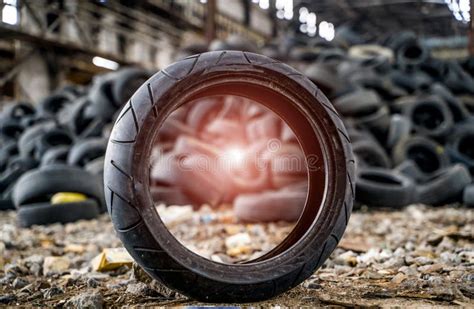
414	257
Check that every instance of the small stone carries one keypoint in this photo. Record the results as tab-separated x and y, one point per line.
55	265
422	260
347	258
35	264
7	299
409	271
428	269
15	269
435	281
92	283
238	240
232	229
398	278
49	293
90	300
74	248
19	283
141	289
312	284
237	251
173	215
372	275
450	258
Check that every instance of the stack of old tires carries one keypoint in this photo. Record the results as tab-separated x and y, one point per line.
410	116
52	152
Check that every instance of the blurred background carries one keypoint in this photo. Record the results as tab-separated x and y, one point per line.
398	72
45	44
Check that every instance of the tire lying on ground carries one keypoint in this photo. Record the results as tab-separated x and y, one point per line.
270	206
38	185
126	177
384	188
445	186
46	213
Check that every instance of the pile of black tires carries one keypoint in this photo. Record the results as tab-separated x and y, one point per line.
52	152
410	116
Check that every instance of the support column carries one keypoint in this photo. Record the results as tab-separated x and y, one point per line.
211	21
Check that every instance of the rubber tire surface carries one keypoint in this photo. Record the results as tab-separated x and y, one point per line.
37	184
141	230
445	186
86	150
468	196
46	213
396	192
55	155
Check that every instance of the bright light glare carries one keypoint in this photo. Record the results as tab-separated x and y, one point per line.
303	15
280	4
235	156
264	4
203	1
311	20
10	15
460	9
280	14
105	63
326	30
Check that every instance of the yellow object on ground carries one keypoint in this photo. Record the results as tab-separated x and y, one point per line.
67	197
111	258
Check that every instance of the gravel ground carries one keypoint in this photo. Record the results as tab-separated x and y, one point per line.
417	256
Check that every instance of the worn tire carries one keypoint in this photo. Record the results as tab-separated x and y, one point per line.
55	155
384	188
445	186
428	155
37	185
46	213
430	116
126	177
86	150
370	153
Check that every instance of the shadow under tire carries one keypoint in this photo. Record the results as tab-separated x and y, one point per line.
126	176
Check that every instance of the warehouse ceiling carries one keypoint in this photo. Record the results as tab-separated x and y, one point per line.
377	18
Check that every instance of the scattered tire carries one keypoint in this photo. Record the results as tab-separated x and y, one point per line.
133	212
445	186
384	188
38	185
46	213
270	206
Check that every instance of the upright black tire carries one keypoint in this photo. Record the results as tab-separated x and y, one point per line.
293	97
